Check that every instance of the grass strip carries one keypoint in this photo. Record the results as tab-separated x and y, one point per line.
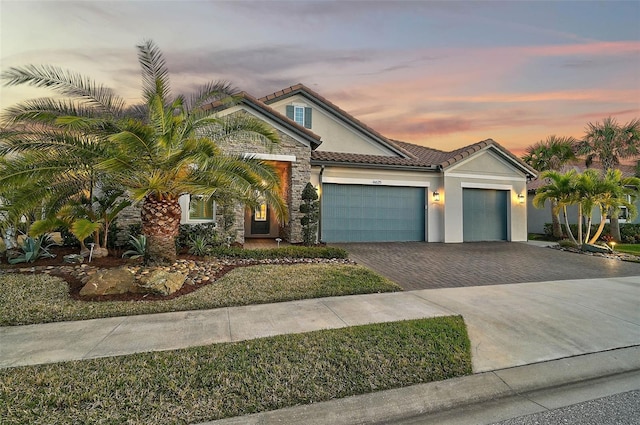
628	248
223	380
30	299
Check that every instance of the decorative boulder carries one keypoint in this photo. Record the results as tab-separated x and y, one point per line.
108	282
161	282
596	248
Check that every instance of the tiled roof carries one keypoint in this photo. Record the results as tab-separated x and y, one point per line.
422	156
301	88
579	167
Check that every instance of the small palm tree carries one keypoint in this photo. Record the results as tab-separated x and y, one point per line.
561	189
551	154
158	151
609	142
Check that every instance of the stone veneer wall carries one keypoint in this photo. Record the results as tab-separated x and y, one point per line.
300	174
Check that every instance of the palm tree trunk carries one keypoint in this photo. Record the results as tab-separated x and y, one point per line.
580	223
566	223
614	227
598	232
161	225
556	228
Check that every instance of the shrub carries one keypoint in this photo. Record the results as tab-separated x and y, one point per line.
283	252
311	210
205	231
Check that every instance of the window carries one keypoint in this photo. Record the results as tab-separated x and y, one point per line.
301	114
260	213
201	208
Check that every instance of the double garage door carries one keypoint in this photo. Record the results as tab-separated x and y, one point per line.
360	213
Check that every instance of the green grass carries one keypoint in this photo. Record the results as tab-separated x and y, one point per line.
29	299
628	248
207	383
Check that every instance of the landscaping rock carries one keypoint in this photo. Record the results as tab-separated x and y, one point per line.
160	282
596	248
73	259
107	282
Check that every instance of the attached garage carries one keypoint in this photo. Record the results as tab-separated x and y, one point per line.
364	213
485	215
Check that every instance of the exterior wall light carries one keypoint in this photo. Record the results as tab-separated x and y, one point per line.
436	196
521	198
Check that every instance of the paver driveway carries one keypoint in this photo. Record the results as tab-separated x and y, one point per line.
420	265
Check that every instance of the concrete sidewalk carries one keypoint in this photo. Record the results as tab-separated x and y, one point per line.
509	325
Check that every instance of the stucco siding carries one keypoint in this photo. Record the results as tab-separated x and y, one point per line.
337	135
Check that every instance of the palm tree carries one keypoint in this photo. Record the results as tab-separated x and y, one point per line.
561	189
551	154
609	142
607	192
158	151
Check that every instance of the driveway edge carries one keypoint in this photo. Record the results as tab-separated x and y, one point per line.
404	403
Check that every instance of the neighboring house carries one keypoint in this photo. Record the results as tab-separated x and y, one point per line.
538	217
372	188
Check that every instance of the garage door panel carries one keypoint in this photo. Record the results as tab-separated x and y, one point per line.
484	215
359	213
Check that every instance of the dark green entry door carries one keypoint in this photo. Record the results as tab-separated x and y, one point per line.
359	213
484	215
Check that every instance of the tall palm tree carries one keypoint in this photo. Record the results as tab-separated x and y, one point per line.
609	142
547	155
158	151
561	188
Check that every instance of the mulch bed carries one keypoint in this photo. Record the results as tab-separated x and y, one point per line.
57	267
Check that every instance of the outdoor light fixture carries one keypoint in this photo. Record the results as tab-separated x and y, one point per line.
436	196
521	198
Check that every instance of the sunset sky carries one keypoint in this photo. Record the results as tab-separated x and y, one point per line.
439	74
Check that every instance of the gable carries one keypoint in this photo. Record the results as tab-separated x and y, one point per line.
338	133
487	162
294	137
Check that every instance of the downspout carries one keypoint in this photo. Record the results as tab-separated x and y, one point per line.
320	212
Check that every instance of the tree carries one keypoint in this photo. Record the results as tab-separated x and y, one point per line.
561	188
609	142
158	151
551	154
311	210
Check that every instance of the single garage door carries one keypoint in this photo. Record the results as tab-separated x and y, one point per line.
484	215
359	213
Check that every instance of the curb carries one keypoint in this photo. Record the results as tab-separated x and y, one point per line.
404	403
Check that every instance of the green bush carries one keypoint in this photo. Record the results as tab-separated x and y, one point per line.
629	232
283	252
205	233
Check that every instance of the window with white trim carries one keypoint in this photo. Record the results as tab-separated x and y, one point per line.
299	113
201	208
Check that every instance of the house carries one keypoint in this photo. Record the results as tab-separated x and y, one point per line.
371	188
538	217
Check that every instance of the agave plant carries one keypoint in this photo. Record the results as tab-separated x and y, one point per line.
34	249
139	245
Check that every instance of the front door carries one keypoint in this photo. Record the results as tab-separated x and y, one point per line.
260	220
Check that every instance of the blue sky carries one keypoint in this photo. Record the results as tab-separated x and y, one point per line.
441	74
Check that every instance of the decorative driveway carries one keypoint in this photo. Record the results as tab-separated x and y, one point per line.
420	265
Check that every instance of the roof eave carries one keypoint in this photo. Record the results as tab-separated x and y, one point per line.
429	168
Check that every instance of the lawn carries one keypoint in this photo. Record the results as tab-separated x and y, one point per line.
628	248
217	381
29	299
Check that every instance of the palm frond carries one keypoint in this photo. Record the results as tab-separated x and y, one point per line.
210	93
66	83
155	75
